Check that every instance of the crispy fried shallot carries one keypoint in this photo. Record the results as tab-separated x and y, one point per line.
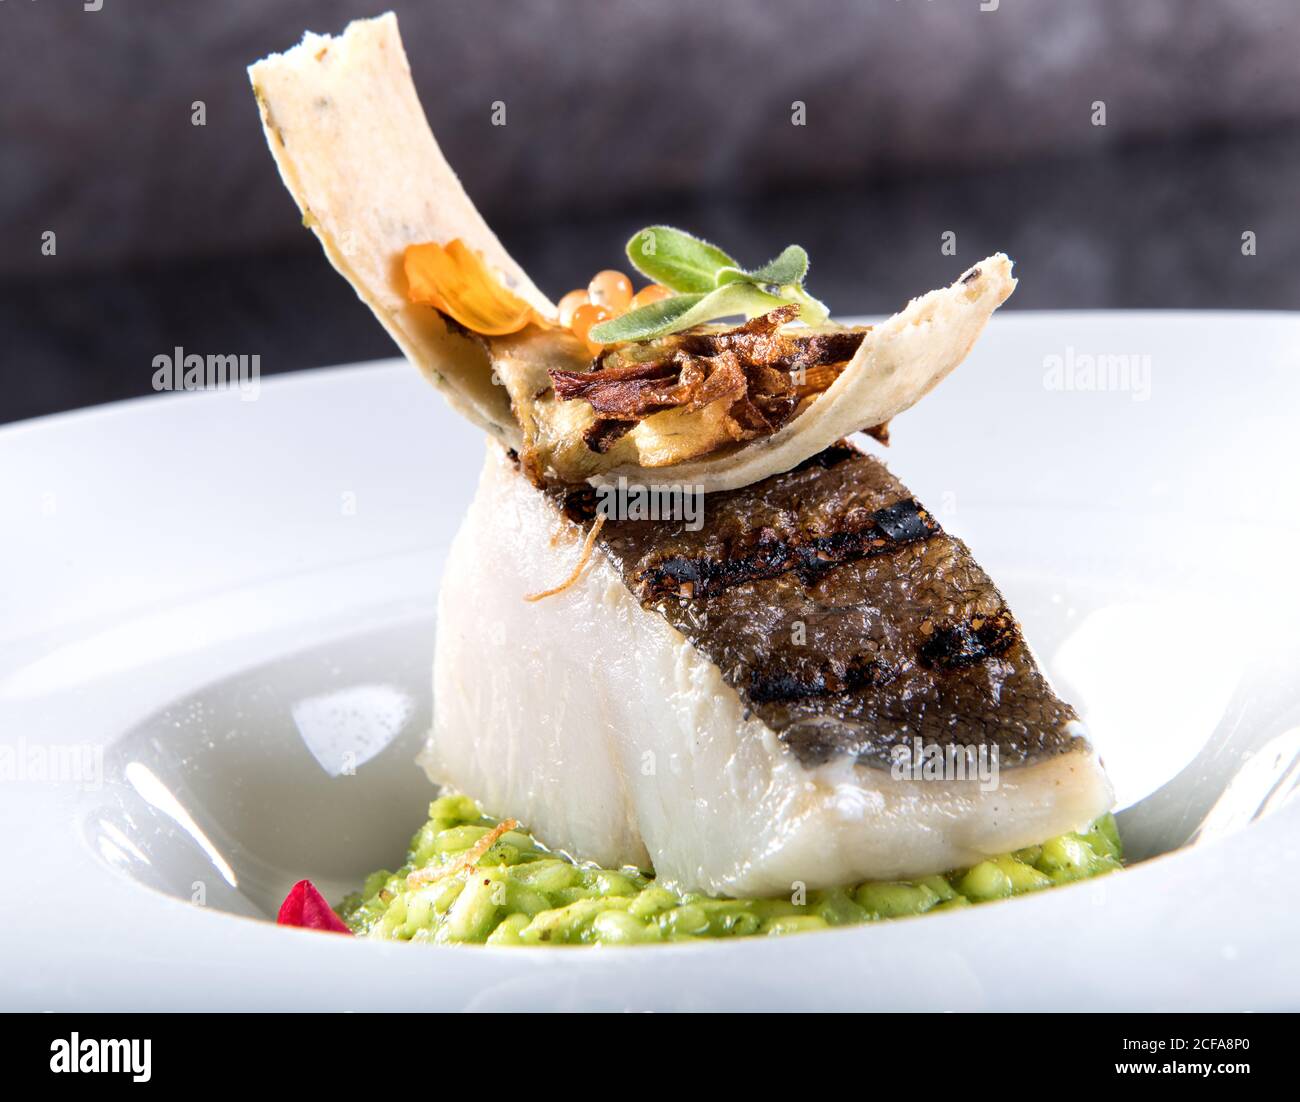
470	859
762	374
577	570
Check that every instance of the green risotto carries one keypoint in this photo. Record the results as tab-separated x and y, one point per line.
516	892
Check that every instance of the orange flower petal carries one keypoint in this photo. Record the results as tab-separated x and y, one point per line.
454	279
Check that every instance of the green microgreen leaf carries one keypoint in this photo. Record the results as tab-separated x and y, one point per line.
661	318
645	322
677	260
788	268
709	285
811	311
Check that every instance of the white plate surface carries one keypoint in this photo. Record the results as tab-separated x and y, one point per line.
212	606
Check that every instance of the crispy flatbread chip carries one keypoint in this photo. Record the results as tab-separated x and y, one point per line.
355	150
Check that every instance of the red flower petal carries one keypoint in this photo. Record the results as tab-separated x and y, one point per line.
305	906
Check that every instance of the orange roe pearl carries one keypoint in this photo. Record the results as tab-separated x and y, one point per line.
647	295
569	303
610	288
584	317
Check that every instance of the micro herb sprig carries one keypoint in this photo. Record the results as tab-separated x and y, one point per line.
708	284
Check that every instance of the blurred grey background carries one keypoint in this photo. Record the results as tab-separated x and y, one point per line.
922	116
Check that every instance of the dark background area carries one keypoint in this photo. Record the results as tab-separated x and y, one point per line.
922	116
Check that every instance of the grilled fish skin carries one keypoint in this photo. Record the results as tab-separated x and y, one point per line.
659	712
846	619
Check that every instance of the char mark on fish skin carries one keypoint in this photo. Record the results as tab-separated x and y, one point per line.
970	642
768	556
829	457
830	678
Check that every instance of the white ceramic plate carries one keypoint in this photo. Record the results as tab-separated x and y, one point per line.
209	603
